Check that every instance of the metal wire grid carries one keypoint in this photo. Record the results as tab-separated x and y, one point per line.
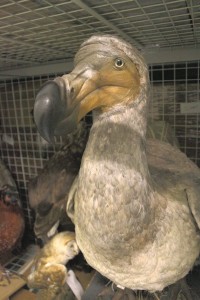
21	146
172	86
37	31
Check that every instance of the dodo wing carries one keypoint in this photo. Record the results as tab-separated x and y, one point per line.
174	172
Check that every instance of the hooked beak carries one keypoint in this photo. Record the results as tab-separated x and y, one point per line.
60	104
53	107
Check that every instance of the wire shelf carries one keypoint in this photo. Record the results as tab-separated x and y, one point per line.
39	31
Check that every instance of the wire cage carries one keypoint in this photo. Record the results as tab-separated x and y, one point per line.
175	99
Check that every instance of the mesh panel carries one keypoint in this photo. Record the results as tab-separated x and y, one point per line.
175	98
22	149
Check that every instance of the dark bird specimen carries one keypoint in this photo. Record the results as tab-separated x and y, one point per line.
11	221
136	204
48	192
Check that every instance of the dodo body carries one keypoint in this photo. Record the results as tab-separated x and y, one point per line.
136	207
137	236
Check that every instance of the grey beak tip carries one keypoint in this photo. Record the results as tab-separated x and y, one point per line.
45	114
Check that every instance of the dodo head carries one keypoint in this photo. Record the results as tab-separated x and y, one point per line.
108	72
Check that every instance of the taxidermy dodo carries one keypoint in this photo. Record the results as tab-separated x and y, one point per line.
135	203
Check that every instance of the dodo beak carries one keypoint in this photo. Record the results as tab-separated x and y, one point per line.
60	104
53	106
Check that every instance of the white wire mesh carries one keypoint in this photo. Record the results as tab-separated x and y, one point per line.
21	146
174	85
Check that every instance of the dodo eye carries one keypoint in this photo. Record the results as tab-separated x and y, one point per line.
119	63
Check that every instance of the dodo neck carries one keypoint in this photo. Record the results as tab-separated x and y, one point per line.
122	136
133	116
118	138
